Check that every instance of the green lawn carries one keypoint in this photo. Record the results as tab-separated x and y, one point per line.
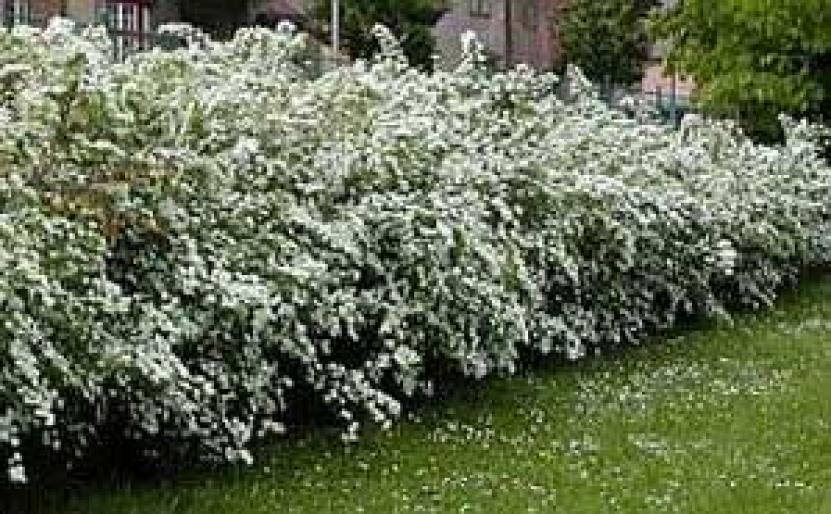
719	420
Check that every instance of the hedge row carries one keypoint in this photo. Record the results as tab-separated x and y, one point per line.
192	242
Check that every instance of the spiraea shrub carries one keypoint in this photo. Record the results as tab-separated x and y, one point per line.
195	242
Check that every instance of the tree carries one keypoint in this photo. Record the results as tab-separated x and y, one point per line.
607	39
754	59
220	18
410	20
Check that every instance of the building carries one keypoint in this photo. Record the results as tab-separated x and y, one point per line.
513	31
132	13
133	22
146	15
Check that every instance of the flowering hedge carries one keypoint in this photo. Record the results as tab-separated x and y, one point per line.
194	241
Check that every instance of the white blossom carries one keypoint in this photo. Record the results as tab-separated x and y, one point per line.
190	239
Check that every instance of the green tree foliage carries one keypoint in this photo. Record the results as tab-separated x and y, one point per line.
409	20
754	59
607	39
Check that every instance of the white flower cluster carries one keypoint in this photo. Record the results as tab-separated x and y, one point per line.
196	244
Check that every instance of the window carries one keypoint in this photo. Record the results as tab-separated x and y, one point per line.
129	23
18	12
480	8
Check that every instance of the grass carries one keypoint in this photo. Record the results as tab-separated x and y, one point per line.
718	420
